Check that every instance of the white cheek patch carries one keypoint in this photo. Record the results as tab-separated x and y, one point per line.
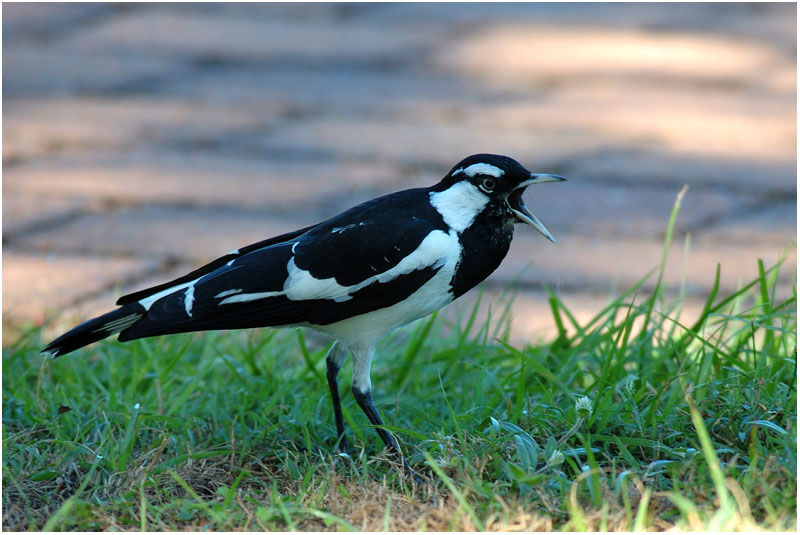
482	169
459	204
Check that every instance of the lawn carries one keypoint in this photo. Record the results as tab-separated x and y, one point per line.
629	421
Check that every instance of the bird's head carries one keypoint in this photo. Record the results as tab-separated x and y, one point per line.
484	181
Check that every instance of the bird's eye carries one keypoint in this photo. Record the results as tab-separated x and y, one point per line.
488	185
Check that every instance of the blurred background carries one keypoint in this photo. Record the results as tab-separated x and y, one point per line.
140	141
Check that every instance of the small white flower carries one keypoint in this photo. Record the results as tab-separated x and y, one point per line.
628	382
136	407
583	406
555	459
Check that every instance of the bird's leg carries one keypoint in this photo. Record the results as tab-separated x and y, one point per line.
362	390
364	400
336	357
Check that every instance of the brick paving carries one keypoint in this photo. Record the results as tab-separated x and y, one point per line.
142	140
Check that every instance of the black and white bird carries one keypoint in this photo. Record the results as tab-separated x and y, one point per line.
357	276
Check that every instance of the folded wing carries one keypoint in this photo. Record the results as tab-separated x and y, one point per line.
338	269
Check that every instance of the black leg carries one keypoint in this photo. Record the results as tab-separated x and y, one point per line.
364	400
334	364
362	390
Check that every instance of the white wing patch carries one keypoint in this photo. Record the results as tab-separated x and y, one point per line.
241	298
226	293
147	302
188	300
459	204
301	285
432	251
480	168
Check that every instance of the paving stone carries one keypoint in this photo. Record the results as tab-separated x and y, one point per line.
505	54
685	121
172	234
198	34
590	208
422	141
570	150
204	179
660	167
319	12
37	284
39	127
338	90
664	138
28	21
774	222
771	22
22	211
596	263
51	69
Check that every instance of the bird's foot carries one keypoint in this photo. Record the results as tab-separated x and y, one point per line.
415	476
344	446
411	474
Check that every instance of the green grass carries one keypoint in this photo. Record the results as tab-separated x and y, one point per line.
629	421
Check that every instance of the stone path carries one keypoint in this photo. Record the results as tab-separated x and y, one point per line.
142	140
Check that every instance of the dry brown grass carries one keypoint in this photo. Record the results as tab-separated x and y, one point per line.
363	504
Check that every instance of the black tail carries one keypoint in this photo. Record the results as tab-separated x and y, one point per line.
95	329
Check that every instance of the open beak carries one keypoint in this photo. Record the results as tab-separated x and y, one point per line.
522	212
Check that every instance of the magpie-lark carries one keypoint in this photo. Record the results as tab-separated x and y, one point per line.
356	276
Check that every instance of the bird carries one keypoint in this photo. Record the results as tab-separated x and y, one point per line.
357	276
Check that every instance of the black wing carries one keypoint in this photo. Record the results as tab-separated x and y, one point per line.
364	259
211	266
370	238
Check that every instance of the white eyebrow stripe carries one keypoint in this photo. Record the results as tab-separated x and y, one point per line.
481	168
